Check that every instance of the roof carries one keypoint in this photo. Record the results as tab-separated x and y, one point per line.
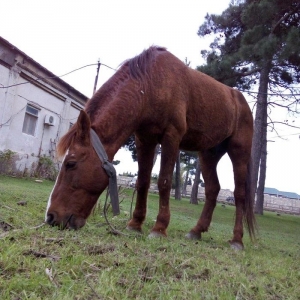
49	73
273	191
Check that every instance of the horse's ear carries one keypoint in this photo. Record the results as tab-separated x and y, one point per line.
83	128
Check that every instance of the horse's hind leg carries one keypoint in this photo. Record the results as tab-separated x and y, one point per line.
208	161
239	155
145	154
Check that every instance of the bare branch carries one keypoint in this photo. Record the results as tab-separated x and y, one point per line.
273	103
286	124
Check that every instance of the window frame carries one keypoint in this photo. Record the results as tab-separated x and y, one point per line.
30	120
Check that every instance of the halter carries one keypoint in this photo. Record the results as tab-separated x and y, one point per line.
110	171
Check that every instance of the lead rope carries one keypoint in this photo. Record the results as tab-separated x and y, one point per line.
112	189
130	215
113	229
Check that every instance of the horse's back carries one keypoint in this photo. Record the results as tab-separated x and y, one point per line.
204	111
214	112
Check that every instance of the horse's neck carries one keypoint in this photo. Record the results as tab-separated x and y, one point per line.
114	125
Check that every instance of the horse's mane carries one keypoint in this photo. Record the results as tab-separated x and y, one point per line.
136	68
139	65
66	140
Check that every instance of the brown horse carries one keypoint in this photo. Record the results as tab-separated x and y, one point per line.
161	100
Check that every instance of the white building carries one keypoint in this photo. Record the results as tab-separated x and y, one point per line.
36	109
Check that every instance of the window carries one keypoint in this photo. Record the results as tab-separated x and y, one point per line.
30	120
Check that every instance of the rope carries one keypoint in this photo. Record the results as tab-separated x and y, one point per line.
105	209
132	203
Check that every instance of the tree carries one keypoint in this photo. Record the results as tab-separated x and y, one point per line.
262	175
194	193
177	178
188	158
131	146
257	43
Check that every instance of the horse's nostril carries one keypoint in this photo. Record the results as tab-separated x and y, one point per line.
50	219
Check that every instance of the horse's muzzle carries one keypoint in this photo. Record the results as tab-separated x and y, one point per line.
67	222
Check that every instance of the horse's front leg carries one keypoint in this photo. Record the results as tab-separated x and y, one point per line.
145	155
169	153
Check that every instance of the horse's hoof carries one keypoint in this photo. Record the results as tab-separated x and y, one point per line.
139	231
236	245
155	234
193	236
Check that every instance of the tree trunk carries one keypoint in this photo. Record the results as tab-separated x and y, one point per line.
185	182
177	179
157	150
194	194
259	206
260	121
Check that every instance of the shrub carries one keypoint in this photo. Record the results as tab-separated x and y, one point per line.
7	161
46	168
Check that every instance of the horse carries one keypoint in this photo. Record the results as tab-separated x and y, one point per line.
162	101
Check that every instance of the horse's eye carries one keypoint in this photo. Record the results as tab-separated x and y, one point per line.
70	164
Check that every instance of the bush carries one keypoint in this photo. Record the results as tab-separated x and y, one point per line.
6	161
46	168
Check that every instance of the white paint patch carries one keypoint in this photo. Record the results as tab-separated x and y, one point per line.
50	197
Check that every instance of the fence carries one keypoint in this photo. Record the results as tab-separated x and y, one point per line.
280	204
271	203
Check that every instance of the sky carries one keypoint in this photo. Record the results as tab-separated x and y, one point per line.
64	35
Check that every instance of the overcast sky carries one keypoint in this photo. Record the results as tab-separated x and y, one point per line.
63	35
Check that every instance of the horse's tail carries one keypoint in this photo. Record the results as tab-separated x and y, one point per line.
249	217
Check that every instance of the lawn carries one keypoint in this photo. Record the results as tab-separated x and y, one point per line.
92	263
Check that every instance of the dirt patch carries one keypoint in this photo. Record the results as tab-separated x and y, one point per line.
94	250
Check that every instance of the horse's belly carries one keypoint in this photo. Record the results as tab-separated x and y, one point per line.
196	141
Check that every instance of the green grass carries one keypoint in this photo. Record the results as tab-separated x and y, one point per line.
91	263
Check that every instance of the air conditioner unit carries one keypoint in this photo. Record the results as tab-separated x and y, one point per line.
49	120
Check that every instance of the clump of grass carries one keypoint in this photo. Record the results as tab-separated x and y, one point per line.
92	263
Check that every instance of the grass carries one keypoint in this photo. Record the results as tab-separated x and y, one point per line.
91	263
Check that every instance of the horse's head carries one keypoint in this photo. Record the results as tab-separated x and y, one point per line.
80	181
